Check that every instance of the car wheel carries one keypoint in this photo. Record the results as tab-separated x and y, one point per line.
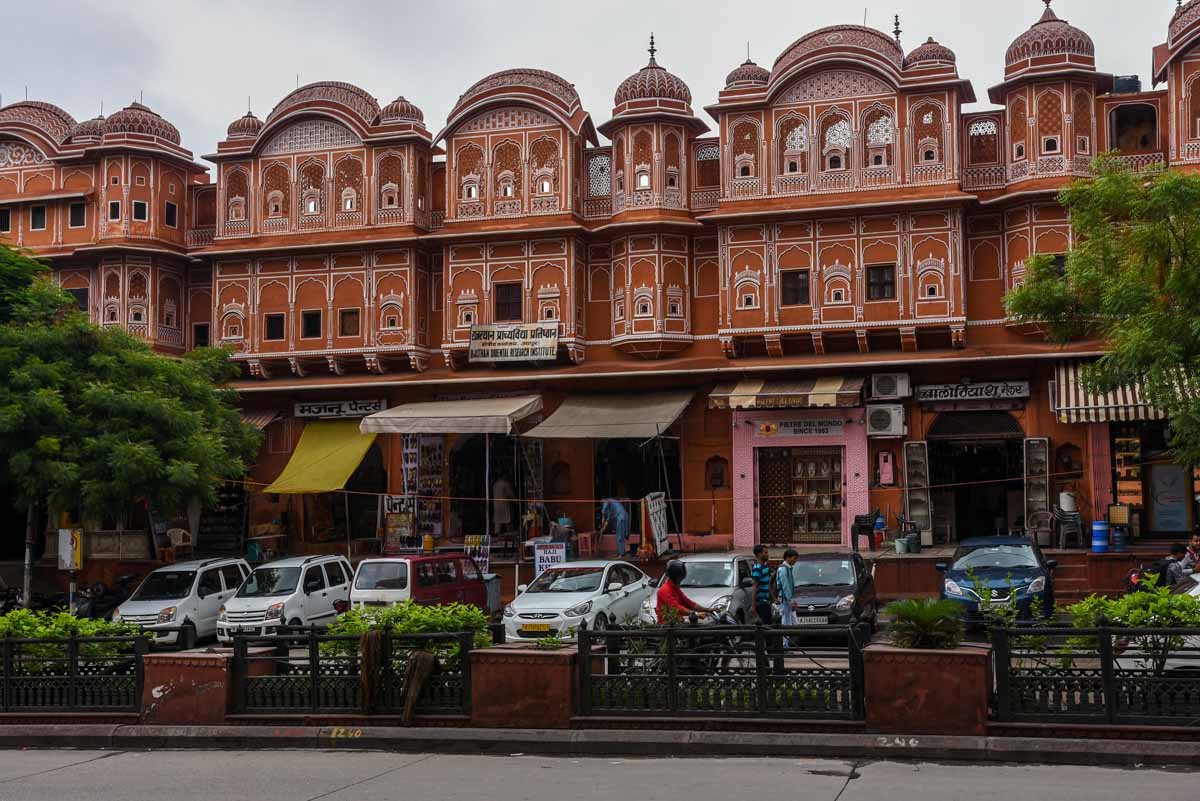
296	623
187	637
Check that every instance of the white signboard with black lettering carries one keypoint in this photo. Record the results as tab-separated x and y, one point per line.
982	391
809	427
548	554
524	342
656	512
350	408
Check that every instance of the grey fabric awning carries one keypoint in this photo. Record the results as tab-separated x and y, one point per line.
635	415
470	416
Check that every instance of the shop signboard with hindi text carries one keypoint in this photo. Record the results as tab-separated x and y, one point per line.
338	409
548	554
523	342
399	525
981	395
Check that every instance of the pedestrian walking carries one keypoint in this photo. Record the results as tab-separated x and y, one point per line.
760	572
786	587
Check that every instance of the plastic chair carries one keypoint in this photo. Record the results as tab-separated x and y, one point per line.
586	542
1039	524
1069	524
181	541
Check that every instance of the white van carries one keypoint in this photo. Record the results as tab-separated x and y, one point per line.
299	591
186	596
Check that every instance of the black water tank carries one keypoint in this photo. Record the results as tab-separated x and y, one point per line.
1126	84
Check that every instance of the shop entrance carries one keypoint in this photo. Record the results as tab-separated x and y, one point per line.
800	495
353	514
629	470
976	467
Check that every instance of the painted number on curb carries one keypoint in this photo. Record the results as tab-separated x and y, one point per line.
898	742
340	733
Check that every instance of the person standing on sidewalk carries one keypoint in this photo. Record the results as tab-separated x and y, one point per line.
760	572
786	587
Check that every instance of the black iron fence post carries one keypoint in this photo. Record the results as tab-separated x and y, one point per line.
466	641
314	668
761	668
1107	672
141	647
73	670
585	670
672	672
240	674
858	707
5	696
1001	658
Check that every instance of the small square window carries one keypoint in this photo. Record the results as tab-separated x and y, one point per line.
81	298
141	210
506	190
200	335
745	171
507	302
310	324
932	291
877	160
5	221
137	315
544	187
748	302
348	203
838	296
114	209
929	155
274	328
140	180
392	321
312	206
794	288
1019	151
672	181
881	282
348	323
171	215
548	314
643	180
470	192
76	215
835	163
37	218
643	309
116	180
1083	145
171	189
1050	144
793	167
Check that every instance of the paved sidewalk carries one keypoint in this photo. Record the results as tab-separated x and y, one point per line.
362	776
628	743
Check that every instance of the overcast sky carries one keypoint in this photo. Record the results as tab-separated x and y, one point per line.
197	62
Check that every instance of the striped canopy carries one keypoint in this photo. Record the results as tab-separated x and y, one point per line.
1074	404
804	393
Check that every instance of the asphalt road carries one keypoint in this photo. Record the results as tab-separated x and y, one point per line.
360	776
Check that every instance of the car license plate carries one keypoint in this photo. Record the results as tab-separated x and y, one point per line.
812	621
535	628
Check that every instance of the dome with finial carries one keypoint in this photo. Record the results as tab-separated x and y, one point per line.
244	127
931	52
88	130
747	74
401	110
47	118
652	82
1186	15
139	119
1050	38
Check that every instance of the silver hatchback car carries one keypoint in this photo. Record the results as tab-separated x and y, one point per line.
717	580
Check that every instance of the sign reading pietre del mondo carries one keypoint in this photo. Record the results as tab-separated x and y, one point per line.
523	342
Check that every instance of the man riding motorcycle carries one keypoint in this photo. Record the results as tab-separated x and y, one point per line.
671	597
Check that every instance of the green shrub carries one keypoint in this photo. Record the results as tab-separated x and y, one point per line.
925	624
413	618
1151	608
26	624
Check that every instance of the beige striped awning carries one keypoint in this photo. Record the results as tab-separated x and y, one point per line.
259	418
1074	404
805	393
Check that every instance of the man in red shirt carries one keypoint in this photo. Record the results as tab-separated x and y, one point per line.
671	597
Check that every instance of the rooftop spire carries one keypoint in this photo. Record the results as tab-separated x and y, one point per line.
896	31
1048	15
652	49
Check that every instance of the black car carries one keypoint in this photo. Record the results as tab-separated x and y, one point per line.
834	588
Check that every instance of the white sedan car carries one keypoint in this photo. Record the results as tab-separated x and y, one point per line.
1185	659
599	593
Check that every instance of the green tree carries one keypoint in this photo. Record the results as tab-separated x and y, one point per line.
1132	279
92	419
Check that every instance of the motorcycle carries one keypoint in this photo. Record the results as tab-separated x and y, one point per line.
100	601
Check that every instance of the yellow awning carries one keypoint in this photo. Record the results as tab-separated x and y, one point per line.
327	455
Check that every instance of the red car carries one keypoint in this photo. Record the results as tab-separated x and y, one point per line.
430	580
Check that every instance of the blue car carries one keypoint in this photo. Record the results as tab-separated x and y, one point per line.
1010	570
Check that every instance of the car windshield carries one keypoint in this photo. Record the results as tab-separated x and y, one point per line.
165	585
382	576
708	574
266	581
568	579
822	573
995	556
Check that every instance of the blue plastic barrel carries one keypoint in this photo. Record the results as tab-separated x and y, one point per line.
1099	537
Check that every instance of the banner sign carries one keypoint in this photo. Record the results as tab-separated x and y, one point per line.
655	505
353	408
70	548
983	391
399	525
548	554
812	427
522	342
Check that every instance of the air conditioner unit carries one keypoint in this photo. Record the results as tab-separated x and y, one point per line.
890	386
885	421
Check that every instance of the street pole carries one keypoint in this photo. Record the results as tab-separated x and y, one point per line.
30	518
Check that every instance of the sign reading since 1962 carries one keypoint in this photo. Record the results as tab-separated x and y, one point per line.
982	391
524	342
354	408
808	427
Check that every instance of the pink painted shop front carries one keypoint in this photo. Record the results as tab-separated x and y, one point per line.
799	476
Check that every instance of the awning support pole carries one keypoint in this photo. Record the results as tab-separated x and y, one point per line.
662	461
487	483
346	498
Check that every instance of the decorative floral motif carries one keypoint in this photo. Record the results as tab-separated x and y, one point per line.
983	128
344	94
711	152
839	135
19	154
833	85
881	132
797	139
317	134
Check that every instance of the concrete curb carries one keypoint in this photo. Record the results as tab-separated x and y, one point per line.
607	742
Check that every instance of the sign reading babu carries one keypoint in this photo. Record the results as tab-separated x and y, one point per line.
523	342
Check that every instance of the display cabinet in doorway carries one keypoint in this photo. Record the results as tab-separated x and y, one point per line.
917	497
800	496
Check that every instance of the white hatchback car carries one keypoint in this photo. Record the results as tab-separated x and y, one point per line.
599	593
299	591
186	596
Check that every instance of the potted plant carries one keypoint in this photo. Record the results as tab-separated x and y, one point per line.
925	680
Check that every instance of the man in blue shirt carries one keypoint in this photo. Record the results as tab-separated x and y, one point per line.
786	587
616	518
760	572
